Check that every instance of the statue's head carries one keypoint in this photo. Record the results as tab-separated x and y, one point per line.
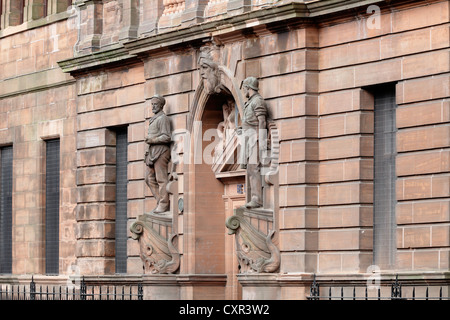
209	70
250	83
157	102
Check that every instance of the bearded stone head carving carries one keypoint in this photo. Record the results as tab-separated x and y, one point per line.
209	69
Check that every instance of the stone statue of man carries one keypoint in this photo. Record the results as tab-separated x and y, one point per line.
157	155
254	127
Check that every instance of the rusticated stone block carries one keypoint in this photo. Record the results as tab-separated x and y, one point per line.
426	260
346	147
345	216
297	195
419	65
346	124
298	218
423	187
96	156
422	89
298	150
405	43
174	64
345	170
96	248
95	211
96	192
378	72
295	173
435	161
419	17
95	230
346	193
423	114
95	265
96	138
298	128
423	138
97	174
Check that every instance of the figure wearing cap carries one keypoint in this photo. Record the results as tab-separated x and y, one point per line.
254	128
157	155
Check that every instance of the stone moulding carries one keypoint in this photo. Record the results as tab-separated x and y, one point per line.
255	250
158	254
229	26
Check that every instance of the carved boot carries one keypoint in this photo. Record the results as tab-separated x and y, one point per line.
253	204
162	206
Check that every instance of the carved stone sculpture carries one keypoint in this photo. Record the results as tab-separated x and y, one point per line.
226	128
158	253
254	131
254	248
157	154
157	235
209	69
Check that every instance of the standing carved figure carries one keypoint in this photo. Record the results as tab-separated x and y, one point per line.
255	138
157	155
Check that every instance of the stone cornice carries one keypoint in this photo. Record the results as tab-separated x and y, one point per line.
224	26
230	27
96	59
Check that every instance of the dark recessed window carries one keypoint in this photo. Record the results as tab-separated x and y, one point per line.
385	151
52	206
121	199
6	188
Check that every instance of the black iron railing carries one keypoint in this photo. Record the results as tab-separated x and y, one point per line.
81	292
332	292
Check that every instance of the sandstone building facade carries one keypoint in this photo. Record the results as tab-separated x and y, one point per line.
358	94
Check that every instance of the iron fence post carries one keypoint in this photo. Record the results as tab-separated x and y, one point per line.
83	290
396	289
140	292
32	289
314	290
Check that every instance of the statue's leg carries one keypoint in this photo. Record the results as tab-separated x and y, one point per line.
150	180
255	179
162	178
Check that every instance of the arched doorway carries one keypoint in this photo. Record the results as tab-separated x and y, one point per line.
212	189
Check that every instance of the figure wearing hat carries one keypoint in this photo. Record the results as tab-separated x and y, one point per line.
254	128
157	155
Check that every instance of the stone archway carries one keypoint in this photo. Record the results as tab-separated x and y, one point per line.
208	249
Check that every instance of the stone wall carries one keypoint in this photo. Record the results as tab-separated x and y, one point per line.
38	102
315	70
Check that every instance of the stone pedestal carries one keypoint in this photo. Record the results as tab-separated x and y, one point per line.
275	286
161	287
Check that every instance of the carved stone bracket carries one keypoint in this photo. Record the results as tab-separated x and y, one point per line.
158	253
254	247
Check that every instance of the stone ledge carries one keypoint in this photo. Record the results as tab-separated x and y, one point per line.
97	60
28	25
40	80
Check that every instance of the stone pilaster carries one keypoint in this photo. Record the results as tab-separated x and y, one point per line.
152	10
194	12
238	6
130	22
95	232
91	25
